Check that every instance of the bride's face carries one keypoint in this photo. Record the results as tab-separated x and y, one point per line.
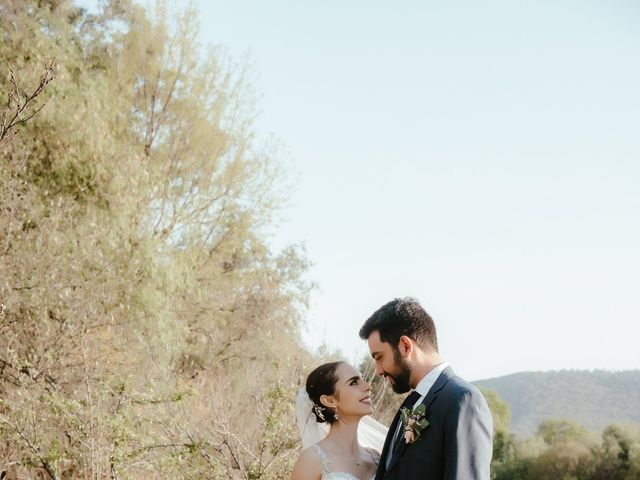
352	394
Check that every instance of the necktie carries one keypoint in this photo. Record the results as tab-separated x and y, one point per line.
409	402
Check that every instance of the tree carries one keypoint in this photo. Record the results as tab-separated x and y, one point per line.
502	439
620	454
147	327
554	432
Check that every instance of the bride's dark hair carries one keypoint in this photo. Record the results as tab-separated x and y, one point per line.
322	381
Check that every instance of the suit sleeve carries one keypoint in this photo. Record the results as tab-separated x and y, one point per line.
468	443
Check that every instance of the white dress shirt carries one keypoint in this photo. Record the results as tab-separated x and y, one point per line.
428	380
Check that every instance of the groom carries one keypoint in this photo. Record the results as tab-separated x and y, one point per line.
456	443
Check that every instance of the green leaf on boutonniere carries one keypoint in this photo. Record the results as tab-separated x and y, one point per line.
413	422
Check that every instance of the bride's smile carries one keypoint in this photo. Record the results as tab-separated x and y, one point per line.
352	396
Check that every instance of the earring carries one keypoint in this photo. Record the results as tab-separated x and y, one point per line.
336	416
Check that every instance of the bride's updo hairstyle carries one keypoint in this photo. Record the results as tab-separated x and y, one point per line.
322	381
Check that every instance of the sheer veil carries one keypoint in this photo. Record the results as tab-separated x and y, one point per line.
371	434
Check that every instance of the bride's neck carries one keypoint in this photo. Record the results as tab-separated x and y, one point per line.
344	432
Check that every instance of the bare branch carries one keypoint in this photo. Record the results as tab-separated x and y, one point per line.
43	461
16	111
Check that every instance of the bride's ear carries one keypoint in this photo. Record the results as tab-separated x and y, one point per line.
328	401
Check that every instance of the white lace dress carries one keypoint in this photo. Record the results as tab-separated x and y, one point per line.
329	475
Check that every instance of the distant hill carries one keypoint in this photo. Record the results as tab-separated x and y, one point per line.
593	398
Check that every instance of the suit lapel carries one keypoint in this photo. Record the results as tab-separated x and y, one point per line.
446	375
382	465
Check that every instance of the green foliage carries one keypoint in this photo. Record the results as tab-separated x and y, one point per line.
503	441
138	292
562	449
555	432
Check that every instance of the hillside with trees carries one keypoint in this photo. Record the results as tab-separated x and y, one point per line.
594	399
562	448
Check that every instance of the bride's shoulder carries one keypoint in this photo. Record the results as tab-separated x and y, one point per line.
308	466
311	454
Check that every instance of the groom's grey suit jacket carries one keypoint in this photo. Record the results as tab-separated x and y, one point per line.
457	443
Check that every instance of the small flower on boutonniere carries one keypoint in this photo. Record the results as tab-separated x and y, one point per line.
413	422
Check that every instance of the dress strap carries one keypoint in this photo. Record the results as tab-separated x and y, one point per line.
323	456
374	454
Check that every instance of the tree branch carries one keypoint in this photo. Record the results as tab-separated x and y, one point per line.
17	104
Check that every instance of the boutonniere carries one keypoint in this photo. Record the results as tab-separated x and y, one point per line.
413	422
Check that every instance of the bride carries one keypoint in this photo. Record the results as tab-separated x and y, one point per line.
340	440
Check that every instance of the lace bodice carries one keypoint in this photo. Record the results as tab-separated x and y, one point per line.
329	475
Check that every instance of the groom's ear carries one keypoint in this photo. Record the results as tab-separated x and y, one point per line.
405	346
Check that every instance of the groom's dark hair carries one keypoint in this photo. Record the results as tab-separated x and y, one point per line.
402	316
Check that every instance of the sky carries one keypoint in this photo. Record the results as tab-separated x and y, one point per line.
483	157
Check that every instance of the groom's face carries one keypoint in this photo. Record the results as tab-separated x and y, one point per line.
390	363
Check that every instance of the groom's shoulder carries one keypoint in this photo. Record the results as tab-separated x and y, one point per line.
458	387
458	395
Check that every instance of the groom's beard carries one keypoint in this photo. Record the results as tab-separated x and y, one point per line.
402	377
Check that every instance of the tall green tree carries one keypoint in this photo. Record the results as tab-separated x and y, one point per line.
147	327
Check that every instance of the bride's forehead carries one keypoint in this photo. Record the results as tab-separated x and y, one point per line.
345	371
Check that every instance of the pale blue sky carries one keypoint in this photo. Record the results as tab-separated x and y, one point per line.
480	156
